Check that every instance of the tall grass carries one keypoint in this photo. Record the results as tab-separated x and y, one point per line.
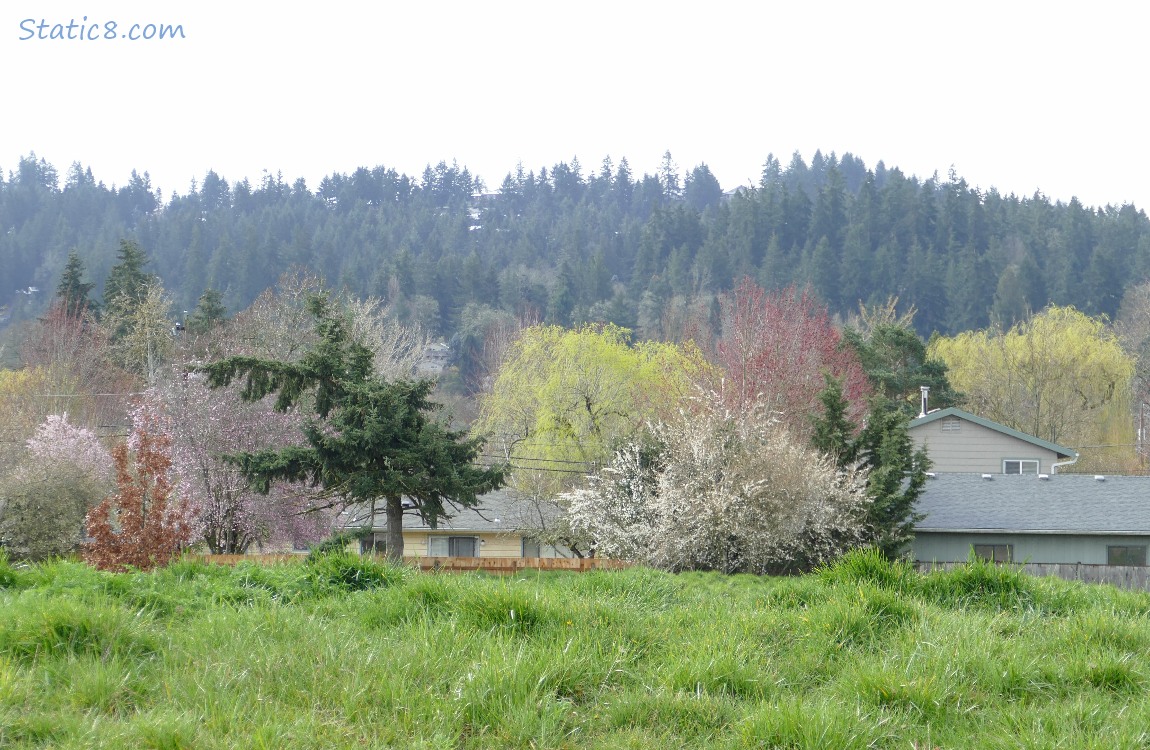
350	652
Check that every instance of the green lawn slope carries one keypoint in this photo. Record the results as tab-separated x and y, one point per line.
343	652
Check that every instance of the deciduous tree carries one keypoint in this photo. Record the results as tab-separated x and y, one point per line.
63	473
146	522
728	491
774	351
563	399
1056	376
232	516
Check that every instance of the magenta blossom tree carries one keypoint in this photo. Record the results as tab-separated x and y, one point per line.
207	424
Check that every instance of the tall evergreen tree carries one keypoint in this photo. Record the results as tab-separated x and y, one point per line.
896	475
896	472
368	440
72	291
127	284
209	313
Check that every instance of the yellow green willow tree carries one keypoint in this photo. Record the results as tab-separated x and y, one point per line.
563	399
1062	376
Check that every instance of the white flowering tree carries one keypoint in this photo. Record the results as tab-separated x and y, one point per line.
730	492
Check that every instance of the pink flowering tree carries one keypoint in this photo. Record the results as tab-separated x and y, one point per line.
63	472
207	425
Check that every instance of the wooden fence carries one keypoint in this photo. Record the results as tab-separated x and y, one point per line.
1122	576
449	564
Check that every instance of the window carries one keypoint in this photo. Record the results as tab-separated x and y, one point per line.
530	547
1126	555
952	424
998	553
1020	466
374	543
453	546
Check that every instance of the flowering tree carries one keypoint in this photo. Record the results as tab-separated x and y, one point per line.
207	425
63	473
776	348
146	522
727	491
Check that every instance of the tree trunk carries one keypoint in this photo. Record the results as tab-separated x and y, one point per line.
395	529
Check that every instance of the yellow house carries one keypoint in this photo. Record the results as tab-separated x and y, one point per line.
496	527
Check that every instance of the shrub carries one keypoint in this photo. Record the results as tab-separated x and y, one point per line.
346	571
146	523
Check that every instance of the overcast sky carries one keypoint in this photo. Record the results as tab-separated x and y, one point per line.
1018	96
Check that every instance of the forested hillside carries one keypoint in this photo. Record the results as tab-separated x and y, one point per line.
567	244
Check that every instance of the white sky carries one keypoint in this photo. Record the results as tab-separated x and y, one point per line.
1017	95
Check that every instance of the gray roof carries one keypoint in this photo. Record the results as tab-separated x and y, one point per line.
500	510
1060	504
992	425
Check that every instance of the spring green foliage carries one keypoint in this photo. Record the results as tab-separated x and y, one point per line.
1055	376
866	653
368	440
565	398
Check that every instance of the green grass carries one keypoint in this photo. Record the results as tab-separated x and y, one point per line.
343	652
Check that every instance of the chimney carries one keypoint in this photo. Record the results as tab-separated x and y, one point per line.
925	391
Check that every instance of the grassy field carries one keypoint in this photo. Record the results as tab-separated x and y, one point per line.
344	652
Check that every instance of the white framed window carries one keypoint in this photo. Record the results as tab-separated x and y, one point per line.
952	424
453	546
531	547
1020	466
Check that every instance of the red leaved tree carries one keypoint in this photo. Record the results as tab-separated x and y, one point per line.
775	349
145	523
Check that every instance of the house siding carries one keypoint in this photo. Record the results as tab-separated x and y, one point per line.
1034	548
976	449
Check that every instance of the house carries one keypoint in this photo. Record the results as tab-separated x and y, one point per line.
995	491
958	441
1060	518
499	526
436	358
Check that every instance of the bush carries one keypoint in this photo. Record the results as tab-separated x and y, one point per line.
346	571
45	509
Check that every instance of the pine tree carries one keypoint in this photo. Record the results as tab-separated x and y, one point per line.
209	313
834	432
72	292
127	284
896	474
368	440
